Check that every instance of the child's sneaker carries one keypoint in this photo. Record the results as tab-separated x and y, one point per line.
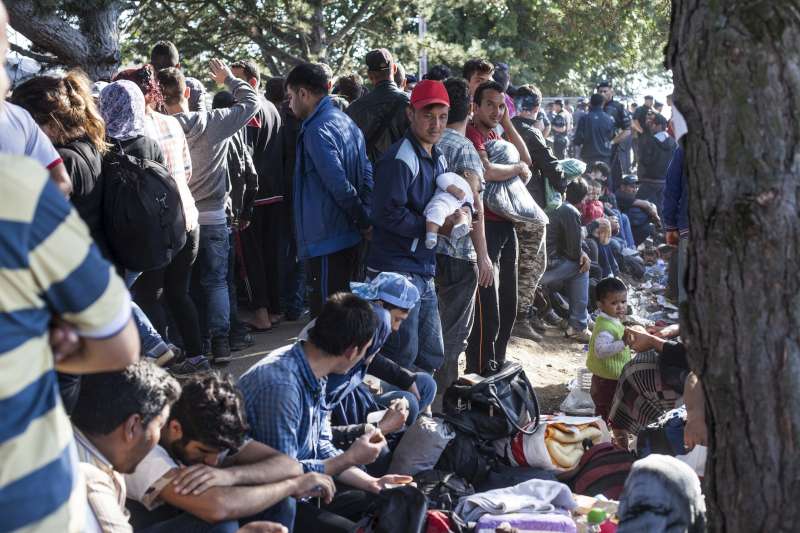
579	336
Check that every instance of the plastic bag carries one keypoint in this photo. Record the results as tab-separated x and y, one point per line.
578	402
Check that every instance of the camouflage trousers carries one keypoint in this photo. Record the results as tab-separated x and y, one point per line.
532	262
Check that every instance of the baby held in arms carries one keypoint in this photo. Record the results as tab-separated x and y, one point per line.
452	193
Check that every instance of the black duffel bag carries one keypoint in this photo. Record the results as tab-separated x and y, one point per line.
503	403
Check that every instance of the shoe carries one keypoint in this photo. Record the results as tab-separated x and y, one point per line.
524	330
459	230
190	366
583	336
170	356
550	317
538	324
221	350
240	342
590	324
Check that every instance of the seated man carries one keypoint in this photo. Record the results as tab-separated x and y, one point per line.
117	420
567	263
643	215
285	399
205	466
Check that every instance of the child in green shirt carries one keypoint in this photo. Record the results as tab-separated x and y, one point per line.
608	352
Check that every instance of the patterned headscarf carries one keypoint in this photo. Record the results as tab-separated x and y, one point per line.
123	110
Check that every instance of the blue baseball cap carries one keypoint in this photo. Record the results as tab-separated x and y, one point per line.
390	287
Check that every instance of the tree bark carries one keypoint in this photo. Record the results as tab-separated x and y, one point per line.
92	44
737	82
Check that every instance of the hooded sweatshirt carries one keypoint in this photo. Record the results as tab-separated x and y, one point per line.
208	134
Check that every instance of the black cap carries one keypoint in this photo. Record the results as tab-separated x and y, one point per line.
649	97
380	59
603	83
559	101
630	179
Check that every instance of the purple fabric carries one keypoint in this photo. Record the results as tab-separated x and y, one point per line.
527	523
123	110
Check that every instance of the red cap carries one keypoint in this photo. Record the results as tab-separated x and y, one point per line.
428	92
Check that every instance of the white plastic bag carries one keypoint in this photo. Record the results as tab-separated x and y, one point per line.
578	402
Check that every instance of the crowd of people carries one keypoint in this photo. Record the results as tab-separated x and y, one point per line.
307	197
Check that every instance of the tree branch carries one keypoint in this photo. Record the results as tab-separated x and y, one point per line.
41	58
48	31
352	22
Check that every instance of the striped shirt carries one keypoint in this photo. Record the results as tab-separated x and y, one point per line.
48	267
169	136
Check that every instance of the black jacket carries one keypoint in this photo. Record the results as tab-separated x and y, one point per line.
381	117
564	234
545	164
654	157
265	144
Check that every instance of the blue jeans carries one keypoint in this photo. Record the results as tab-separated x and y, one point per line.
211	280
426	386
152	343
187	523
566	272
418	343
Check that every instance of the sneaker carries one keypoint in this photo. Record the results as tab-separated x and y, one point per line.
524	330
583	336
240	342
221	350
190	366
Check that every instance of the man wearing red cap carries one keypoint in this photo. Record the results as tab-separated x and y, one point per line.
405	180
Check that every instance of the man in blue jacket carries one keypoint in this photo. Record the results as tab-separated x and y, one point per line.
405	180
332	185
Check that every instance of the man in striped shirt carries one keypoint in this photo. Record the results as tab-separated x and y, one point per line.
49	269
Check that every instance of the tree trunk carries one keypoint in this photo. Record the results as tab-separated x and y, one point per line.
92	44
737	81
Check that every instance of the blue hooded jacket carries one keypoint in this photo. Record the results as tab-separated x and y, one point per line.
332	183
676	197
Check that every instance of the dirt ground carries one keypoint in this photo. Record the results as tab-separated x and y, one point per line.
549	365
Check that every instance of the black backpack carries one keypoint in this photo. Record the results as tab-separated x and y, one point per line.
468	457
142	212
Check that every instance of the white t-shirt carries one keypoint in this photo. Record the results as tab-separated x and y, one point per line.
20	135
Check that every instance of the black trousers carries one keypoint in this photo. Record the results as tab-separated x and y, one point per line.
339	516
261	247
329	274
172	282
496	306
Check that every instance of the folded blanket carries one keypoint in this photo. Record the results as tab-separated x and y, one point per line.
534	496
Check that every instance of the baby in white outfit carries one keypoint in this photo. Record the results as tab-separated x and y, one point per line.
452	192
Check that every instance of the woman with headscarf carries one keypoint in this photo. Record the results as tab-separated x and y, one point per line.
170	284
123	109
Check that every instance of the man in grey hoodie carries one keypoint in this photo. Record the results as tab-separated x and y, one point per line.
208	134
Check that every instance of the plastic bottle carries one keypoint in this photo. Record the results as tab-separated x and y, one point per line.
594	519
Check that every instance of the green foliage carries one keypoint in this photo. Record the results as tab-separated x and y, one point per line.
563	46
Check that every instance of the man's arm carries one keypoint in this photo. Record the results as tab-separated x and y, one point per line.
80	287
223	123
621	136
258	463
325	155
499	171
478	236
218	504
